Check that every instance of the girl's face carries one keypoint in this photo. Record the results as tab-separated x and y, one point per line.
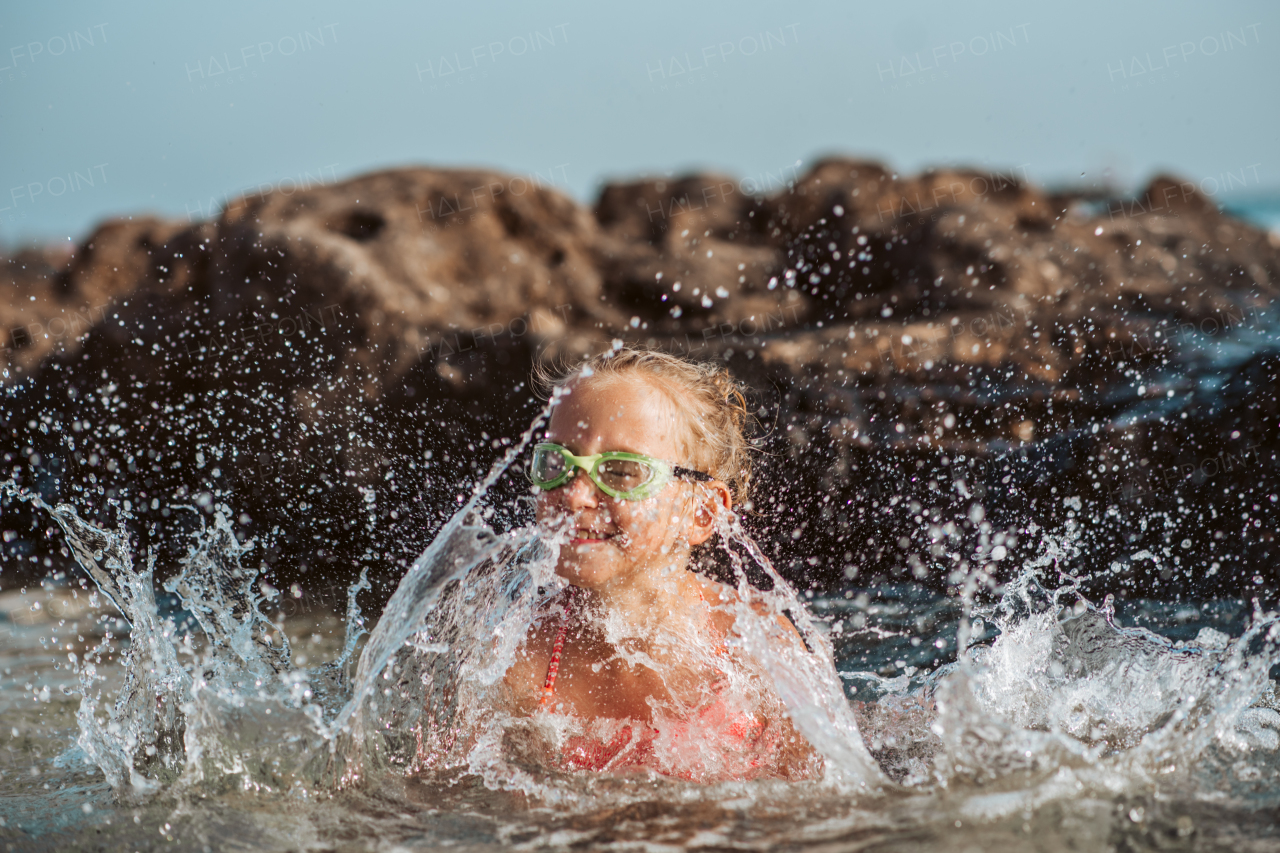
612	542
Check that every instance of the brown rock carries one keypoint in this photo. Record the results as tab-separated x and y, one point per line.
313	348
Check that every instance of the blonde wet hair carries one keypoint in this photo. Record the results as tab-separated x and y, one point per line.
709	402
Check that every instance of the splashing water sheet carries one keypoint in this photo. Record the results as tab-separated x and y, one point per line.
141	711
133	718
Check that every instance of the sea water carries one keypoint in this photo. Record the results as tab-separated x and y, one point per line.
185	715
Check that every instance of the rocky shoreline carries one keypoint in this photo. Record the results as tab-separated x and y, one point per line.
332	363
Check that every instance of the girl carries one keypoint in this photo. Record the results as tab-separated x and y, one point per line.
637	662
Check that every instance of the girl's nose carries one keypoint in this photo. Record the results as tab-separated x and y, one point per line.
580	492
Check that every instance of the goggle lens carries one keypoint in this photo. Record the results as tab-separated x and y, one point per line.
548	466
623	475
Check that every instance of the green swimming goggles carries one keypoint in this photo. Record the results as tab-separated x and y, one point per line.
621	475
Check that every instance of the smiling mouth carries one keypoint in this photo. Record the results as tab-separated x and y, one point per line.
590	537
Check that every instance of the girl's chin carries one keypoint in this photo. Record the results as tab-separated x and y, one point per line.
583	576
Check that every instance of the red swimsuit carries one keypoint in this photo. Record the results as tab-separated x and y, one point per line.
587	753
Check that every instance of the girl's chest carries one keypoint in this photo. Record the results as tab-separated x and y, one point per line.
596	681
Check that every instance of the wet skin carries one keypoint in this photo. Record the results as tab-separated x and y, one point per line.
627	560
628	564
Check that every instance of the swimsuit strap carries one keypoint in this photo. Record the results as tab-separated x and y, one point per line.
553	668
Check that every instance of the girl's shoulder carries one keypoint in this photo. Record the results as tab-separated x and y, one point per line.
725	601
725	597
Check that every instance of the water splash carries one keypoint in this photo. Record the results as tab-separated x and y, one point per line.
1064	703
427	691
236	707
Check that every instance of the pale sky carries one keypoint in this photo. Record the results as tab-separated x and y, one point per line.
169	108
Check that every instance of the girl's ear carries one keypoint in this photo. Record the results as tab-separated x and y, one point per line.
709	500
